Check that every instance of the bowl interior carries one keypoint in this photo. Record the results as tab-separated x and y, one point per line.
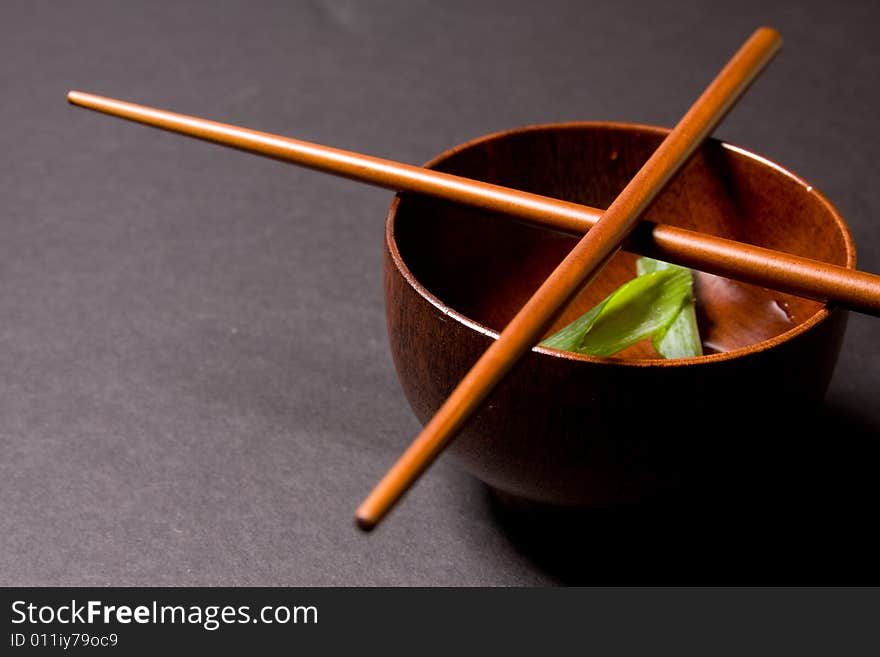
486	266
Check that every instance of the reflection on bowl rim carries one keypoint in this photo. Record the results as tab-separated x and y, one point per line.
820	315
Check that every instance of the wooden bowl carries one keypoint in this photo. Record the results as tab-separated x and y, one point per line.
579	430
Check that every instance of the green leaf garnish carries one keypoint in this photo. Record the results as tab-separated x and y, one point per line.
682	338
657	304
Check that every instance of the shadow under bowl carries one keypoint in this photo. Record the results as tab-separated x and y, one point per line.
576	430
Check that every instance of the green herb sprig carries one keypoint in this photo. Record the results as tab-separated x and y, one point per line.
658	303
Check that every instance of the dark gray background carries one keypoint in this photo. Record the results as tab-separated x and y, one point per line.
195	385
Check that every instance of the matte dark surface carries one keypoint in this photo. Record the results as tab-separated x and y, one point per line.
196	385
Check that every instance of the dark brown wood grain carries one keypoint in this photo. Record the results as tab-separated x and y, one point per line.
579	430
585	260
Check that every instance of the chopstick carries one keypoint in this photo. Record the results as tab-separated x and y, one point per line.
776	270
786	272
584	261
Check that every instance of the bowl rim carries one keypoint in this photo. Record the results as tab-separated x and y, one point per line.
819	316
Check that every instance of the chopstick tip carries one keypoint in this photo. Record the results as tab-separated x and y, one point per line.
363	523
771	33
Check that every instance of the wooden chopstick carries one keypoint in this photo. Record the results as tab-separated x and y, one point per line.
776	270
583	262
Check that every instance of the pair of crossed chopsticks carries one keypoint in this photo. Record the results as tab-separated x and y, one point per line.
605	232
